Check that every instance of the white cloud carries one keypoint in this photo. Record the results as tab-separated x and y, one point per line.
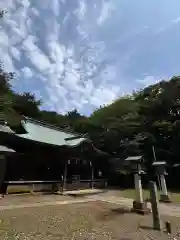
148	80
103	95
168	26
35	55
53	97
56	51
161	29
67	80
81	11
55	6
176	20
35	11
7	62
27	72
105	13
4	40
16	53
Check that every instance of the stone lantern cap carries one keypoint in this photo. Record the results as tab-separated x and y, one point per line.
140	172
159	164
160	167
176	165
135	163
134	159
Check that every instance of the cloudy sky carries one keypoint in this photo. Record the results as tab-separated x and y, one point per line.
86	53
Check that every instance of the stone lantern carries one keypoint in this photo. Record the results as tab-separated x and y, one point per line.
160	171
136	165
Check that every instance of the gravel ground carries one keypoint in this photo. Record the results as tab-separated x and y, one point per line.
94	220
28	198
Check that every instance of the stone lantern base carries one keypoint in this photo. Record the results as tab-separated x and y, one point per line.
165	198
140	207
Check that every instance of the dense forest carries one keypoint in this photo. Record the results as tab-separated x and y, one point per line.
131	125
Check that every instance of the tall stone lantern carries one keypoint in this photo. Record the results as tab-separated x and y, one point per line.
135	165
160	171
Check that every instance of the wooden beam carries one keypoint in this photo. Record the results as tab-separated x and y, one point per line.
3	169
92	174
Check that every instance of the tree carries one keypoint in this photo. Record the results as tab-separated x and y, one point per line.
2	12
53	118
7	114
27	105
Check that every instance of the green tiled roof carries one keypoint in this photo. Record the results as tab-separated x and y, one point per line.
45	133
4	128
5	149
75	142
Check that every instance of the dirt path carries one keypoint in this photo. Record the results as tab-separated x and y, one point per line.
42	204
165	209
17	202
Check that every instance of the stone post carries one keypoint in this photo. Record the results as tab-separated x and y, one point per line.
164	197
138	188
163	184
160	173
155	206
139	206
135	164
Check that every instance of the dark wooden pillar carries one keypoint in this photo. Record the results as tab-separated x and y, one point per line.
92	175
3	169
65	175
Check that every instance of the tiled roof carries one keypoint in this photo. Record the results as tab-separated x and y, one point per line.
5	128
5	149
45	133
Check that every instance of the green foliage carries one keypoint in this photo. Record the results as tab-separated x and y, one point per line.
2	12
26	104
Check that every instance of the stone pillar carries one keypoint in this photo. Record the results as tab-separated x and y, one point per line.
164	197
163	184
155	206
139	205
138	188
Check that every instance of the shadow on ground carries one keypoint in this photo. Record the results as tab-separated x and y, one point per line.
113	213
145	227
148	228
121	210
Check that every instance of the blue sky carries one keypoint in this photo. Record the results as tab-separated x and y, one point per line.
86	53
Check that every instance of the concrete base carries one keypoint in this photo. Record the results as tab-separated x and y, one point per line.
59	193
165	198
82	192
140	208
